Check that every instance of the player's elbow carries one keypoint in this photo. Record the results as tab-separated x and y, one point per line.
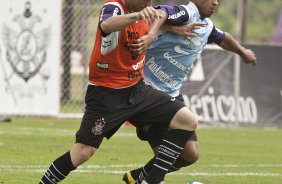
105	27
162	15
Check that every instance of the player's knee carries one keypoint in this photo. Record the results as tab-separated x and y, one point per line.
193	121
184	119
85	154
80	153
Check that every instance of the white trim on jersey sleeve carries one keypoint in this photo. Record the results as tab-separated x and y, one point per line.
110	42
219	30
209	24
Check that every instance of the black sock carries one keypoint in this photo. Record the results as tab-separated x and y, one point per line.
135	173
139	174
169	150
179	163
58	170
143	171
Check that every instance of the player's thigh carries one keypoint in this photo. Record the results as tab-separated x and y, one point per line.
106	110
157	109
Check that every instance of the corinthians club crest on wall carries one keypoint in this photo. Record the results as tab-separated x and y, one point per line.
26	43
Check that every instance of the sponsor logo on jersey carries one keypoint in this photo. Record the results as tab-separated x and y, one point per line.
177	15
174	62
115	13
157	71
194	43
106	43
138	64
134	74
132	35
179	50
102	65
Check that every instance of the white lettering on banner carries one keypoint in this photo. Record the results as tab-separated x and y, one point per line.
211	108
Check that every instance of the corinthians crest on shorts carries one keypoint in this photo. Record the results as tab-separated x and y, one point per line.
99	124
25	41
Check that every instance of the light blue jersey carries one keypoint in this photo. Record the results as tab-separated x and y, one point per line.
170	57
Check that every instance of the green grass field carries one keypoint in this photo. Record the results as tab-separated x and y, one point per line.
228	155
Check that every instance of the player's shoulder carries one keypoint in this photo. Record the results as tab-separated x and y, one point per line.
191	7
209	22
212	26
192	10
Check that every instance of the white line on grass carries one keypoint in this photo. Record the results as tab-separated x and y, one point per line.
190	174
139	165
244	165
80	167
53	132
242	174
107	169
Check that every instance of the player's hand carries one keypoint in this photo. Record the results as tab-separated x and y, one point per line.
188	29
249	57
142	44
149	14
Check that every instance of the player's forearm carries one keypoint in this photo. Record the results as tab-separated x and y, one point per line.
119	22
156	25
229	43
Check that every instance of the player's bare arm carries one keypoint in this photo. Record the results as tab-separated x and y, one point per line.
150	14
119	22
142	44
185	30
173	24
229	43
249	56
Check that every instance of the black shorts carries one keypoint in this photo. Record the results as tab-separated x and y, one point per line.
107	109
154	134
